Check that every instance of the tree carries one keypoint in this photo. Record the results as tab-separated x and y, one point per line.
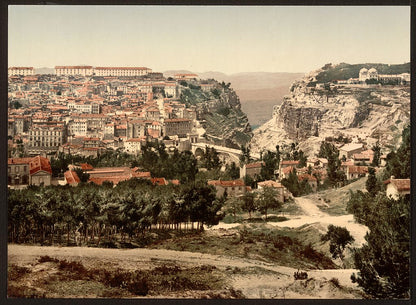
331	153
377	154
83	176
384	262
232	171
268	200
249	203
245	155
372	184
339	238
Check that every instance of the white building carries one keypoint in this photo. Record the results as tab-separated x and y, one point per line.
132	146
397	187
121	71
81	107
21	71
74	70
77	128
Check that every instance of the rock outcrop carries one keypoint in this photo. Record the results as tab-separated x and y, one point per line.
220	114
312	112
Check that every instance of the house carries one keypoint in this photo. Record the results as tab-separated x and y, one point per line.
356	171
252	169
348	150
282	193
115	174
284	173
29	171
365	157
71	178
233	188
312	181
159	181
397	187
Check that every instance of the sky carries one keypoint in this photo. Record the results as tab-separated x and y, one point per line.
228	39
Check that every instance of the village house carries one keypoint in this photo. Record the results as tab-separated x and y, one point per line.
283	194
397	187
233	188
251	170
363	158
311	180
133	145
71	178
29	171
179	127
356	171
348	150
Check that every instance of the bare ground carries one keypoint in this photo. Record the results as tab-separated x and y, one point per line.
254	279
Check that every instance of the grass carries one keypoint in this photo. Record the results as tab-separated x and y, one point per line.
334	201
75	280
255	241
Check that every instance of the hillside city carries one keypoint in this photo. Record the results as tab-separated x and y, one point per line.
114	157
85	111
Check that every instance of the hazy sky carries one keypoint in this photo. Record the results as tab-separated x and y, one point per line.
229	39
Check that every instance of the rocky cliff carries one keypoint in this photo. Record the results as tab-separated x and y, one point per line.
219	111
314	111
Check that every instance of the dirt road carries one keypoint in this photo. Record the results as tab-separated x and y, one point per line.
312	214
262	280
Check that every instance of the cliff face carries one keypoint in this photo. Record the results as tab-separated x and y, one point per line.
365	113
219	110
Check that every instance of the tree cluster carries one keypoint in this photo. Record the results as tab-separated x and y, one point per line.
47	215
384	262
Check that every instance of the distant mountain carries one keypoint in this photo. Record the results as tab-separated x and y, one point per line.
44	70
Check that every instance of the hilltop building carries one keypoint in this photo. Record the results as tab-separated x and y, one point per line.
24	71
74	70
372	74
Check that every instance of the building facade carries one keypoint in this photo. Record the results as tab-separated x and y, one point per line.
121	71
74	70
45	139
24	71
29	171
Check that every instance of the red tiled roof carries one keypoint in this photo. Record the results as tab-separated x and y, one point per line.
357	169
289	162
270	183
306	177
174	181
254	165
226	183
121	68
19	160
142	175
287	170
71	177
38	164
86	166
400	184
159	181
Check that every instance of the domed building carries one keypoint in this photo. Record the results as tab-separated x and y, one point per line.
363	76
367	74
372	74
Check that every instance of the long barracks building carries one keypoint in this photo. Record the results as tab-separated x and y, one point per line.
101	71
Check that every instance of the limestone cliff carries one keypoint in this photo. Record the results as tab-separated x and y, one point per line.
314	111
219	111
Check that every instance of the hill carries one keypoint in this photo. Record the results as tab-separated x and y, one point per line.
344	71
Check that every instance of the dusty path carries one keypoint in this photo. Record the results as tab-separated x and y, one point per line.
255	284
312	214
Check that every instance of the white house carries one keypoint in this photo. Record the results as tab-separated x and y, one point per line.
397	187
